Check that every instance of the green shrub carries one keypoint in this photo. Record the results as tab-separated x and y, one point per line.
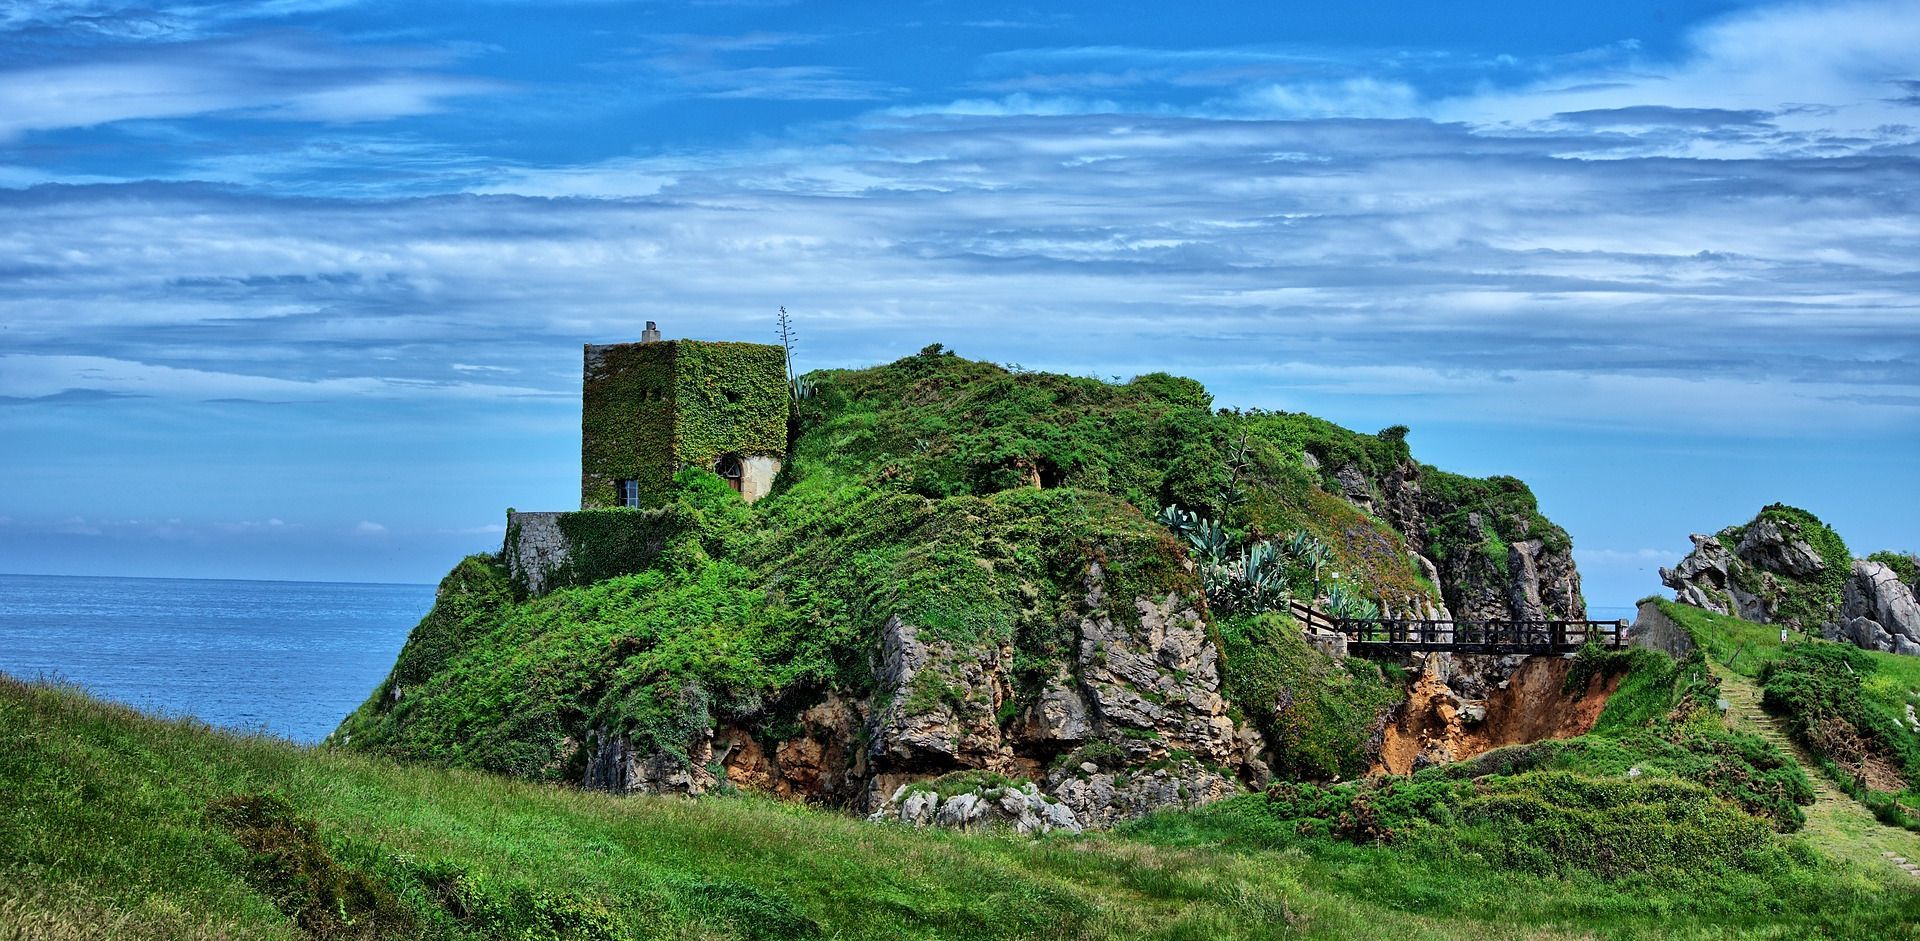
1544	822
1318	715
1819	688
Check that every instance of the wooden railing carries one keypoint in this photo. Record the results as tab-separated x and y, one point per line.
1491	636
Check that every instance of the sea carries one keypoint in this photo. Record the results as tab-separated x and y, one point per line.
287	658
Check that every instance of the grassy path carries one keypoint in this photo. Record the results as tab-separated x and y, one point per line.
1836	824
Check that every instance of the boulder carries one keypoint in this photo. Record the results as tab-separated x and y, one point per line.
1653	630
1019	807
1773	547
1874	592
1867	634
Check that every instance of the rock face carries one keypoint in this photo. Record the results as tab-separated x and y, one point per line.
818	762
1879	612
1528	580
1140	696
1143	689
1019	808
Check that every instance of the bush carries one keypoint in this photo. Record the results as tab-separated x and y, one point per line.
1544	822
1819	688
1318	715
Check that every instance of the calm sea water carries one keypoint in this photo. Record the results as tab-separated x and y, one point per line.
292	658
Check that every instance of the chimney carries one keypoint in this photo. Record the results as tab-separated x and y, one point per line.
651	334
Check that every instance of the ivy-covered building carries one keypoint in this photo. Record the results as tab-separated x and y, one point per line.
651	409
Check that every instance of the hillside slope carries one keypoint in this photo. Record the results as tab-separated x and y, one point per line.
118	826
966	567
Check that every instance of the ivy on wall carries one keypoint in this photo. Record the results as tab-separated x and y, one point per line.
649	409
604	543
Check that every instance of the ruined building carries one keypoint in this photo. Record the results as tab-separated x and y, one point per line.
648	411
651	409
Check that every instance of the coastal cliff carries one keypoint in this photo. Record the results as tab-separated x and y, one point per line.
966	570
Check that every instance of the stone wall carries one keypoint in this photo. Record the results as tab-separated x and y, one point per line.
535	549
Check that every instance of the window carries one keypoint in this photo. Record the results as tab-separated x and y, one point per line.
629	491
728	467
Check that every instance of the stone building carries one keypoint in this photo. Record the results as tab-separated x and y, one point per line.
651	409
648	411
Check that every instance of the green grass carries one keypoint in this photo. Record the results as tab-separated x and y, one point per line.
114	825
1810	681
1739	645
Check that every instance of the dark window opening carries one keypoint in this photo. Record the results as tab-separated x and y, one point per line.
728	467
629	491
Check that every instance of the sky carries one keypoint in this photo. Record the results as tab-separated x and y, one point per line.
296	288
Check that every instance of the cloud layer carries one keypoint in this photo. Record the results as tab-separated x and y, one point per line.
278	205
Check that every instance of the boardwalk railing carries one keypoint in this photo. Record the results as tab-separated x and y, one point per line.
1492	636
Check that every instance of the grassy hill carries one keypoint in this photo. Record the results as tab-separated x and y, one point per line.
1848	707
115	825
972	502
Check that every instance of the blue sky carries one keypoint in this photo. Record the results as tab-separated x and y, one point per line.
295	288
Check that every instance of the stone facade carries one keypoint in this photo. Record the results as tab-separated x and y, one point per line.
649	410
535	547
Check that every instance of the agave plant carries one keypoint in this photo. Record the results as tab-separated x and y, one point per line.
1178	520
1209	541
1345	603
1309	555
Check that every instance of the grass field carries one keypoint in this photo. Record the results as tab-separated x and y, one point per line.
106	832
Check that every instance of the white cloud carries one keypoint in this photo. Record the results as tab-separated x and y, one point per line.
283	77
369	528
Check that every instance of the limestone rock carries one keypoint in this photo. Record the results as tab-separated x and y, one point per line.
1702	578
937	703
1104	798
1020	808
1773	548
1160	676
1875	592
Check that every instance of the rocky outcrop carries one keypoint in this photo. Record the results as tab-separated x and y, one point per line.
613	764
1785	568
1142	688
1878	611
938	704
819	761
1528	579
1769	571
1019	807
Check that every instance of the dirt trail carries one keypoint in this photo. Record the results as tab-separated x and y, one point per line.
1836	824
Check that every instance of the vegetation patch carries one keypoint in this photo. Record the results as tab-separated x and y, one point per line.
1821	689
1320	716
286	862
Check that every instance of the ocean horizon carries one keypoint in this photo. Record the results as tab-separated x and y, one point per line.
289	658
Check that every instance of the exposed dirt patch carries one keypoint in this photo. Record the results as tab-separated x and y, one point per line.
1436	725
